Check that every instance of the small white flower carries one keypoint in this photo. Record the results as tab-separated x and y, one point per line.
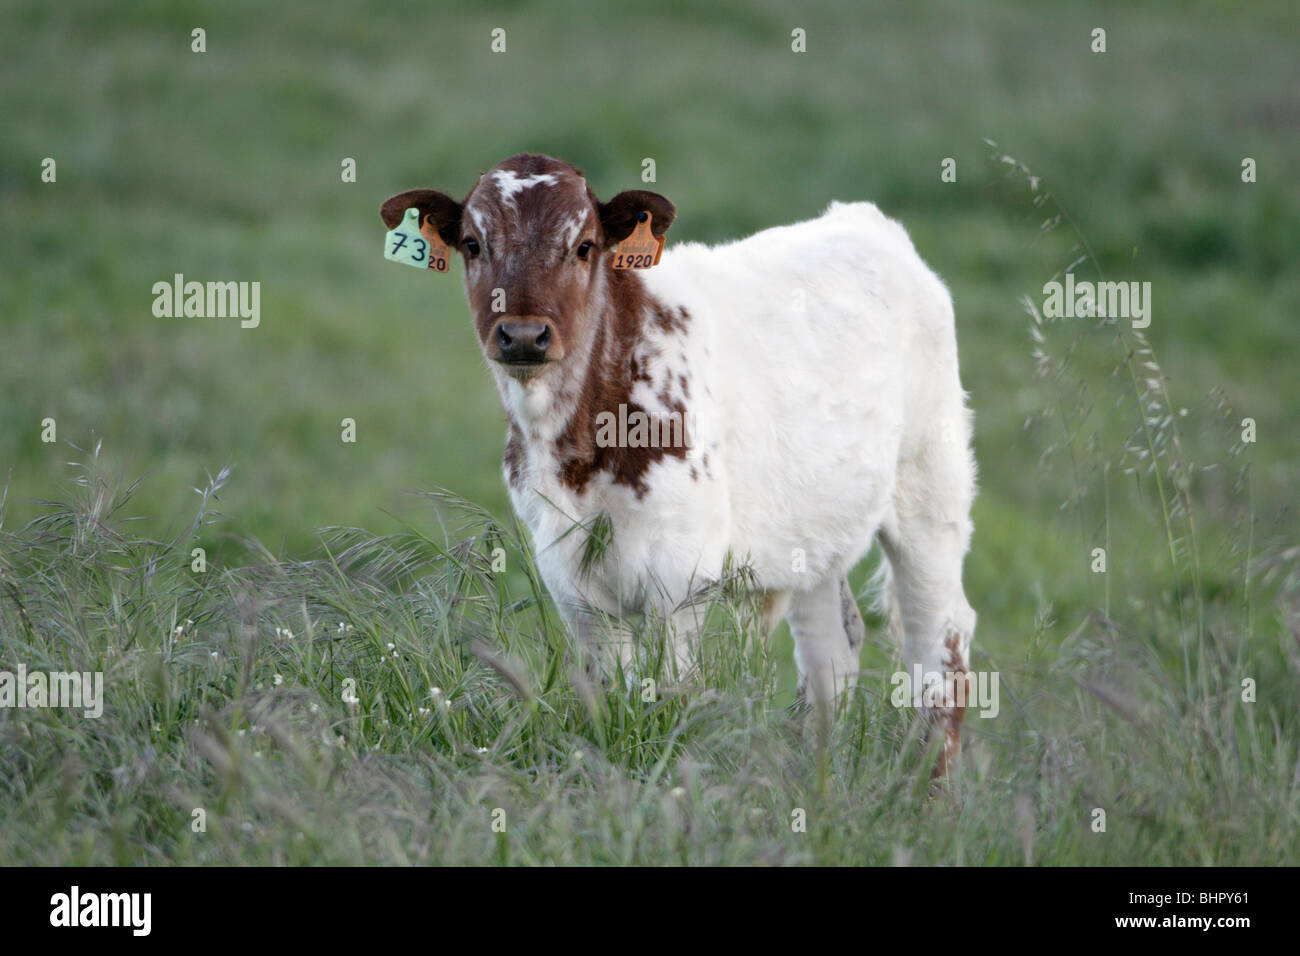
392	646
482	750
425	711
214	655
277	680
677	792
315	709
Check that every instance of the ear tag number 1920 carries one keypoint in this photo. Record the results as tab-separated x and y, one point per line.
415	244
641	249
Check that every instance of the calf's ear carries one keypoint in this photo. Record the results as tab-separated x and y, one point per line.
437	209
618	217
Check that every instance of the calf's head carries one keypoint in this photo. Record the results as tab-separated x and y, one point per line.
536	243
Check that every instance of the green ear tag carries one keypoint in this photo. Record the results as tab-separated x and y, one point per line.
407	245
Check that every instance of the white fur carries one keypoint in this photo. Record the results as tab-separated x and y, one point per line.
812	431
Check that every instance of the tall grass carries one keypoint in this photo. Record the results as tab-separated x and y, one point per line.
1186	656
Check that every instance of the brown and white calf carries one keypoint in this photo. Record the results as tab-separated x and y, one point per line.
805	380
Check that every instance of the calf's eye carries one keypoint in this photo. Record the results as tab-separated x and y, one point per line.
584	249
471	248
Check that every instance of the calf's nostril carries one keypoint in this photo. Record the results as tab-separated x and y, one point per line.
503	337
544	339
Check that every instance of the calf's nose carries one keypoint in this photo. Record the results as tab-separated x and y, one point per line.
523	341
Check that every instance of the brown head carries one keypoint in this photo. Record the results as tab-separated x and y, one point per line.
536	243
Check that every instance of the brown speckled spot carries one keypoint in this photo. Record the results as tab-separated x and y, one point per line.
607	383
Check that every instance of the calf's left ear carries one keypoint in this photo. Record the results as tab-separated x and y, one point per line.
437	209
618	217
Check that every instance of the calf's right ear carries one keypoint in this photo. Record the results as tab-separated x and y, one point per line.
436	209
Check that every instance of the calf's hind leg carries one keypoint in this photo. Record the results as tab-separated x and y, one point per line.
925	557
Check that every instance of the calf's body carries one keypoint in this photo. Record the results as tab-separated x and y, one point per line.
797	397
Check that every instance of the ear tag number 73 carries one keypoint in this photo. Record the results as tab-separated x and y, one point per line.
414	244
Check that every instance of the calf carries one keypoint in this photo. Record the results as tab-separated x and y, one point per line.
782	401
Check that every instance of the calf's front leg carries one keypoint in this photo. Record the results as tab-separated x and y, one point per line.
828	634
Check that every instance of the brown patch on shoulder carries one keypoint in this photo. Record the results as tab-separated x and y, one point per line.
608	384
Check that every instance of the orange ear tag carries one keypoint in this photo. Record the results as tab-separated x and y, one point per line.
439	254
641	249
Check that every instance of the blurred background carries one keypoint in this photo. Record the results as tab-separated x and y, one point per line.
225	165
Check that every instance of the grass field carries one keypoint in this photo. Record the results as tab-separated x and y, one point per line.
1121	691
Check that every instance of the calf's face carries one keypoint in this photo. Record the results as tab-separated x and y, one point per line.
536	244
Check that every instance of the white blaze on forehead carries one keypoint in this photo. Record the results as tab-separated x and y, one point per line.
509	182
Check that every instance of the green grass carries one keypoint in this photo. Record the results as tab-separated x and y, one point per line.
1120	691
380	704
